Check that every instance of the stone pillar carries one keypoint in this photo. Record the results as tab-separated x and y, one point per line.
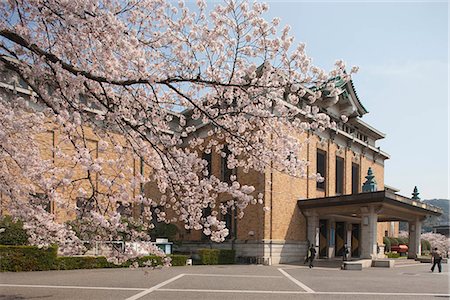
348	237
313	229
414	247
391	233
369	219
348	233
331	237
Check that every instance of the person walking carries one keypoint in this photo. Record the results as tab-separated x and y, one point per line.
436	259
308	254
346	253
311	255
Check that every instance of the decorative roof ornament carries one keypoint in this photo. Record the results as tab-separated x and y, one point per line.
370	185
415	194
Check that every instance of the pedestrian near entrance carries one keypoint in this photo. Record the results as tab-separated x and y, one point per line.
306	257
436	259
346	253
311	255
308	254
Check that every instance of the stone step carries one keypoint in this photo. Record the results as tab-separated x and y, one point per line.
383	263
357	264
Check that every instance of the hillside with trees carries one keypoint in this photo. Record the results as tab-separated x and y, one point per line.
427	225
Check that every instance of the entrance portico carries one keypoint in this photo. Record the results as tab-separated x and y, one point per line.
352	219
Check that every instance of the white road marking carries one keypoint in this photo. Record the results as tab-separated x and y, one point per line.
409	265
383	294
300	284
231	291
155	287
298	292
158	289
315	268
231	275
70	287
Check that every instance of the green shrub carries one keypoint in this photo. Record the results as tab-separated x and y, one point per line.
82	262
178	260
209	256
227	256
387	244
149	260
14	233
393	240
426	246
403	240
27	258
393	255
153	260
91	262
31	258
217	256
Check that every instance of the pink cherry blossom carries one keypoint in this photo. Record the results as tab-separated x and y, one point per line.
129	94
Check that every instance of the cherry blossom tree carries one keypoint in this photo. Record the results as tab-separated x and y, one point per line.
125	70
403	234
437	240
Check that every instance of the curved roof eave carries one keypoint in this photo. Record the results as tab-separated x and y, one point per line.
360	107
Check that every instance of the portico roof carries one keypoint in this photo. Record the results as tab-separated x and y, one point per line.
390	206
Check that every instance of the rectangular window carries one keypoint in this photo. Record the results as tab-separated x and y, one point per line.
321	163
84	206
124	209
205	213
355	178
159	225
207	157
41	199
142	172
226	172
228	218
339	175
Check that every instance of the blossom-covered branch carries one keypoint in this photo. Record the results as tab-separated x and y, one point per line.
154	83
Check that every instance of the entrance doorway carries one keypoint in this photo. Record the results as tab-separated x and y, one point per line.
323	238
355	240
340	239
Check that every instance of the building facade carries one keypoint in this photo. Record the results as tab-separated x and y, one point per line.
330	214
55	147
352	206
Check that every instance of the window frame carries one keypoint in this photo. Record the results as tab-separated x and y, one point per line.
225	172
321	186
339	176
355	178
208	158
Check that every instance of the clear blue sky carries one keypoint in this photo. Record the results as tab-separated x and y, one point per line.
402	51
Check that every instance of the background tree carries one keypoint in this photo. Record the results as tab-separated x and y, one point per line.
437	240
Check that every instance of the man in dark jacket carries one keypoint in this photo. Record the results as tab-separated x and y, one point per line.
312	255
346	253
436	259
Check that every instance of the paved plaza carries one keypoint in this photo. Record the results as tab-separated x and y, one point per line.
406	281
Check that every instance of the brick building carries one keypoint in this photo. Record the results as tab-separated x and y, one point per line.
11	87
352	206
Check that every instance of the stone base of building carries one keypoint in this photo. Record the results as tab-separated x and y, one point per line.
264	252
